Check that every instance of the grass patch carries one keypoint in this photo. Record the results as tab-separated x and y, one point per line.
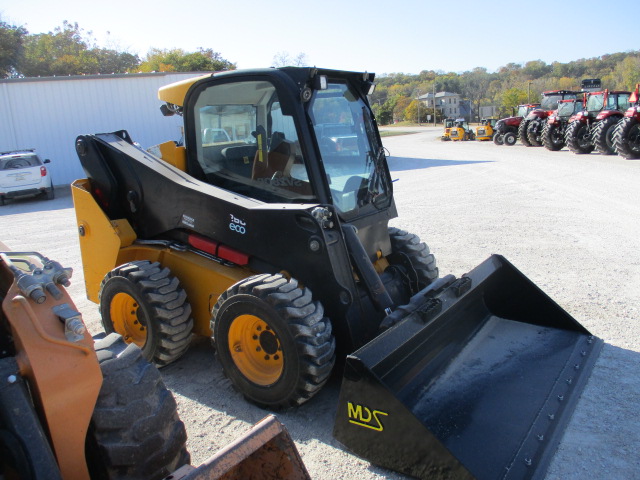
391	133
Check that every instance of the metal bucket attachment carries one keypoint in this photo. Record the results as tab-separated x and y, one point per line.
476	377
266	452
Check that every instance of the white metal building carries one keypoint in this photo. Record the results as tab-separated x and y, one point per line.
49	113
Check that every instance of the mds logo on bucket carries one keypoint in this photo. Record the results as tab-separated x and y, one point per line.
365	417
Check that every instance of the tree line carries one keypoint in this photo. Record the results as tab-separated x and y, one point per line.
70	50
395	97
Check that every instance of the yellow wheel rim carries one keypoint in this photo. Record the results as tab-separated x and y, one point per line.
255	349
124	316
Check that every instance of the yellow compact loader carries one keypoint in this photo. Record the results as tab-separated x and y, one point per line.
485	131
274	240
461	131
448	124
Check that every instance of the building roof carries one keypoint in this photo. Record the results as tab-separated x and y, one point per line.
429	96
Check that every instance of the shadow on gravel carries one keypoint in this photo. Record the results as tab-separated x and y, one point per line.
199	377
398	164
61	201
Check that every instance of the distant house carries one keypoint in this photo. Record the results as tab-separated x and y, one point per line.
448	103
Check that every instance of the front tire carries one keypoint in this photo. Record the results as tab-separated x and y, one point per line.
418	254
627	138
144	303
509	139
498	139
135	432
273	341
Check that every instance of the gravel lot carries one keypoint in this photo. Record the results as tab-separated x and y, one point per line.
568	222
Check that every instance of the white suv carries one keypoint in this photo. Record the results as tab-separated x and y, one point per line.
23	174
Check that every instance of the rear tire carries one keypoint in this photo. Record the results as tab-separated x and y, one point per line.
552	137
509	139
603	135
273	341
522	132
578	139
627	138
533	132
135	431
51	194
418	253
144	303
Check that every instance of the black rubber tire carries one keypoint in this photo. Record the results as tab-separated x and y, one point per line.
51	194
418	253
552	137
603	135
162	309
302	333
578	138
498	139
626	138
509	139
135	431
522	132
533	132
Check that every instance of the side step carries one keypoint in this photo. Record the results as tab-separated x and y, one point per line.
478	378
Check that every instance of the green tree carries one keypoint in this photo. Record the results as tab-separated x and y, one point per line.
626	73
402	103
511	98
69	50
177	60
415	108
11	49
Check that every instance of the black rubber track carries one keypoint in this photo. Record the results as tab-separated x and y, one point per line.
626	138
163	306
135	432
305	334
422	260
552	137
603	135
577	140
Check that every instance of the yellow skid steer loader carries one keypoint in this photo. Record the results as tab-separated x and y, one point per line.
274	240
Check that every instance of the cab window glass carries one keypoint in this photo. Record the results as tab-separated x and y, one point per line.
247	145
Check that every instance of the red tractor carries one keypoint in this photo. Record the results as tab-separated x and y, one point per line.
626	138
507	128
593	128
530	129
553	129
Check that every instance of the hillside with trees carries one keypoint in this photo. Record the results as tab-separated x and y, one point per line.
396	94
69	50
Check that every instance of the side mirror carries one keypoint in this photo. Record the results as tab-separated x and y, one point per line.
47	161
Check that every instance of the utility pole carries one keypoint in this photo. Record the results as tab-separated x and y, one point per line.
434	102
529	93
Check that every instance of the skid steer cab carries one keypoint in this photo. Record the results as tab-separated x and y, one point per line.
273	238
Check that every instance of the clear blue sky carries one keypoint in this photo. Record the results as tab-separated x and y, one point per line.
378	36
